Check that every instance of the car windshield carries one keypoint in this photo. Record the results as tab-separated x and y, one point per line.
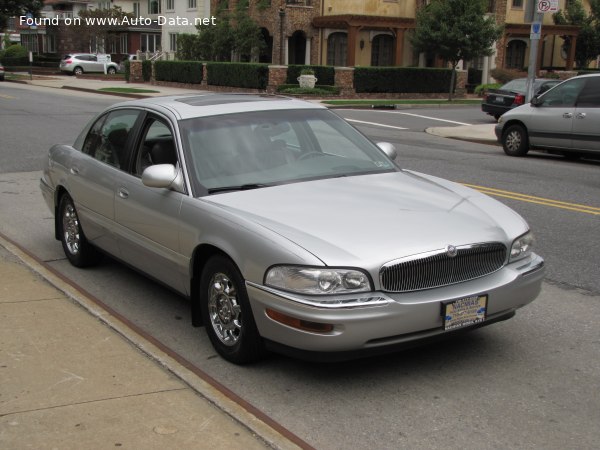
257	149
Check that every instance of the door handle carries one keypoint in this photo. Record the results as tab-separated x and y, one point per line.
123	193
581	115
568	115
74	170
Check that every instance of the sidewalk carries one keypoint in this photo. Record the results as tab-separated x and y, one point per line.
483	134
71	377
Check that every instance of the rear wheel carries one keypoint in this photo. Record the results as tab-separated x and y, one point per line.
78	250
77	71
111	71
226	312
515	141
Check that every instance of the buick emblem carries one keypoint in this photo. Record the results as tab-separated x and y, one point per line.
451	251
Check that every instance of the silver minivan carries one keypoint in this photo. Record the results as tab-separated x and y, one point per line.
78	63
563	120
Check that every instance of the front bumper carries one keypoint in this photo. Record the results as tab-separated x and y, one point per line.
405	319
498	132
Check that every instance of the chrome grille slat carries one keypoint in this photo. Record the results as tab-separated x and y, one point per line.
436	269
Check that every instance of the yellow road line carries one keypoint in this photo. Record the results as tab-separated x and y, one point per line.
537	200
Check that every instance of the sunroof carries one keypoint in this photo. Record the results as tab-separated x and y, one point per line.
210	100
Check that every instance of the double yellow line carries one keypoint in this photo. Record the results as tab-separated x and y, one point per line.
537	200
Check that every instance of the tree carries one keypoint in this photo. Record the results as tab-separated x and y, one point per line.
455	30
16	8
97	37
588	40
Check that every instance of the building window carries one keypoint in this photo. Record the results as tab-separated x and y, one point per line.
515	55
136	9
49	43
337	49
153	6
172	42
124	44
192	4
491	6
170	5
382	52
30	42
150	42
103	5
517	4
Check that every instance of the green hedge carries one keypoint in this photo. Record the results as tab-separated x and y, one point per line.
244	75
325	74
323	89
178	71
14	62
127	65
408	80
146	70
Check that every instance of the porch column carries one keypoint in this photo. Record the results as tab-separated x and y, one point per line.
399	55
351	55
286	51
307	52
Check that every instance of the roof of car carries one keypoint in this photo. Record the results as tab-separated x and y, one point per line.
214	104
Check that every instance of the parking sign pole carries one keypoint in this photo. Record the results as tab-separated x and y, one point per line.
534	39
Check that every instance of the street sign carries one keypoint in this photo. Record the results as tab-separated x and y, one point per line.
536	31
544	6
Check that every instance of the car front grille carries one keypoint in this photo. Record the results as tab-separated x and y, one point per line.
440	268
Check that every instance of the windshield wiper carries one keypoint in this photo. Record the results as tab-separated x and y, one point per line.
243	187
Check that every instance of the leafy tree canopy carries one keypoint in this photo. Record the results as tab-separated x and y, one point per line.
588	41
15	8
455	30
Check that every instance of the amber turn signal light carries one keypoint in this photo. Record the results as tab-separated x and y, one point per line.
304	325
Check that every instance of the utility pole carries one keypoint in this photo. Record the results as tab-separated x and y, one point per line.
536	17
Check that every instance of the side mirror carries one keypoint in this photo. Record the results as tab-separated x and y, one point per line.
536	101
164	176
388	149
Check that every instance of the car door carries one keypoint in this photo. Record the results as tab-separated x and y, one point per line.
104	153
551	121
148	218
586	124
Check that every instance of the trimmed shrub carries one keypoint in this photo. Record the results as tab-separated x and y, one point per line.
243	75
15	62
127	66
325	74
407	80
16	51
505	75
146	70
178	71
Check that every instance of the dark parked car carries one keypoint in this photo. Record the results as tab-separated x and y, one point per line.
512	94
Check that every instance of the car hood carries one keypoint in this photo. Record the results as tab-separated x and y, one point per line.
364	221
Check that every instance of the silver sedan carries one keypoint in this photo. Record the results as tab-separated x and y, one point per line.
287	228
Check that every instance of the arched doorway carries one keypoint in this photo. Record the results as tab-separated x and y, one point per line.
515	54
337	49
266	53
382	50
297	48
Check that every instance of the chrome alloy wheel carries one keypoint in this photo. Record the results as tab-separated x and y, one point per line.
513	141
71	229
224	309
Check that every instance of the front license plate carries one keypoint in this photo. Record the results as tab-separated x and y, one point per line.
464	312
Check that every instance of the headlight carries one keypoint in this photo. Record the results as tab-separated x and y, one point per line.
317	280
521	248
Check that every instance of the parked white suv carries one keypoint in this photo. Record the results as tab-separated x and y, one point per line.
564	120
78	63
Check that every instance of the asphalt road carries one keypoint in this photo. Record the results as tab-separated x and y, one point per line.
529	383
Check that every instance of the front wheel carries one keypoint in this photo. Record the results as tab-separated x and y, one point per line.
111	70
515	141
78	250
226	312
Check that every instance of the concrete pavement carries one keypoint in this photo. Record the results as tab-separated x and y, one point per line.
73	376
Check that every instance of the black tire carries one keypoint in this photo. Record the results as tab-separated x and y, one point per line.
111	70
77	71
515	141
226	312
78	250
